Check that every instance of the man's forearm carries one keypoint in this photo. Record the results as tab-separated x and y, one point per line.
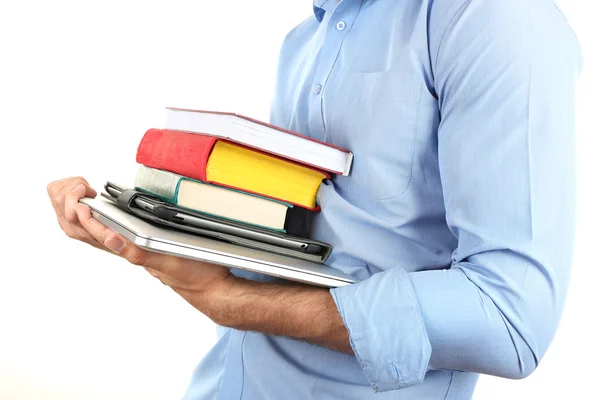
292	310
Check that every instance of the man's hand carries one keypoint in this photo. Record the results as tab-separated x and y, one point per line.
297	311
191	279
64	195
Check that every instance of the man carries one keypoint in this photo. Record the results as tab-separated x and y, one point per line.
457	217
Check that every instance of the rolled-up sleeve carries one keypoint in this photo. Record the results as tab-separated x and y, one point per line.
505	76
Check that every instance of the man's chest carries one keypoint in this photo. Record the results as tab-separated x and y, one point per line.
360	79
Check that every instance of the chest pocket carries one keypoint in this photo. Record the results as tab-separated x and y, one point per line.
374	114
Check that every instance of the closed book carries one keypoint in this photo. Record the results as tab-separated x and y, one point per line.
213	160
213	200
263	136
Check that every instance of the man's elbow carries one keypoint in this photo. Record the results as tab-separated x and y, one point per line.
520	371
516	364
530	342
529	321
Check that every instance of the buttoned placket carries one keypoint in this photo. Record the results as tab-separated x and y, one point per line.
339	23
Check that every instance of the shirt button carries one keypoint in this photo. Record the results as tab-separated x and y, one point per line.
340	26
318	89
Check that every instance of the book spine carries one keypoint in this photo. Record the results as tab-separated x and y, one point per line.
162	184
179	152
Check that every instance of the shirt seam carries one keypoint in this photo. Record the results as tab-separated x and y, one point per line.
564	17
446	396
242	364
452	20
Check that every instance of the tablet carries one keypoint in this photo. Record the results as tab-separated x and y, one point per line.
155	210
185	218
181	244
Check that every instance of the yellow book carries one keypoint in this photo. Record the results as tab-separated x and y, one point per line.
248	170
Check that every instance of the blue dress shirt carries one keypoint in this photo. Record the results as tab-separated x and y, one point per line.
458	214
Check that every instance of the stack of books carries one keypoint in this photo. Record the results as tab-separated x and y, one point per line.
236	168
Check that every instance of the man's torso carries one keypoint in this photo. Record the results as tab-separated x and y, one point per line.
361	78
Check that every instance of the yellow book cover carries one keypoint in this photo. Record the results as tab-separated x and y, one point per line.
242	168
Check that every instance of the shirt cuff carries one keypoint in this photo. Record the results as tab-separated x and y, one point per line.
386	329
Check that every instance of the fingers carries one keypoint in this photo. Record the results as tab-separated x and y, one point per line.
123	247
73	192
59	189
89	191
71	200
172	271
166	267
64	195
136	255
99	231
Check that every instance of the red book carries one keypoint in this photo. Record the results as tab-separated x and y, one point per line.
213	160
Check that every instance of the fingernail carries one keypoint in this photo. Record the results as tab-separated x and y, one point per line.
80	187
115	244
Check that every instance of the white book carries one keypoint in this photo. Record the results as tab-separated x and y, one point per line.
262	136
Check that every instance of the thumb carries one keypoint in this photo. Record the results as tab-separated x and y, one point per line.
115	243
138	256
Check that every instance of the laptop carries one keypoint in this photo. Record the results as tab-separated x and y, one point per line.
181	244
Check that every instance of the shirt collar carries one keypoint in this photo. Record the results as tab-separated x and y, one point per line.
320	7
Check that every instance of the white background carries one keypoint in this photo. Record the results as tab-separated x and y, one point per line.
80	82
